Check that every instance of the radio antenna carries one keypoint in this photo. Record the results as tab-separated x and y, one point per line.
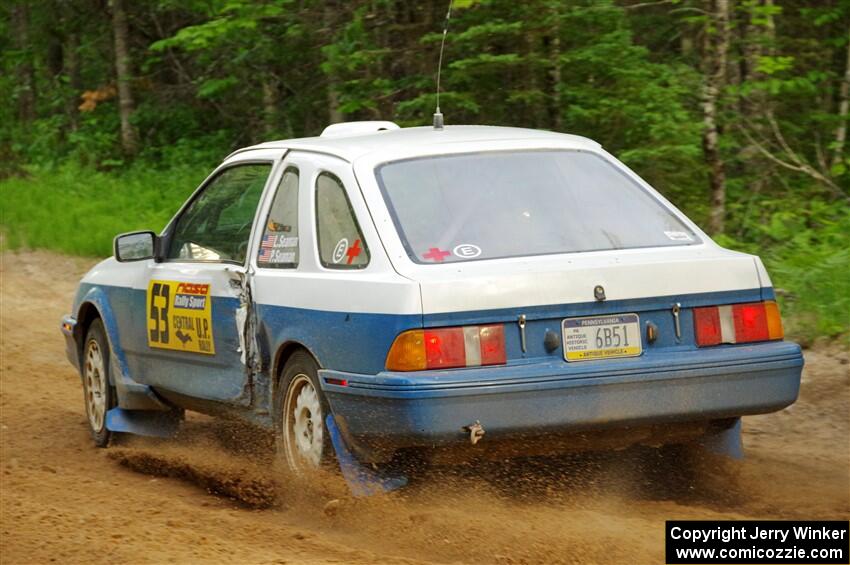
438	116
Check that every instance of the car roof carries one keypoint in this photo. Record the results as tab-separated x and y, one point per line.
352	146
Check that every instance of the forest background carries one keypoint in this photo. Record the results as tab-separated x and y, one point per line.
736	110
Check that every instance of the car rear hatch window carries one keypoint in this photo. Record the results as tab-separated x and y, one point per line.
492	205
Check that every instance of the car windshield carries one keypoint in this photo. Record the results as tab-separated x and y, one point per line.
508	204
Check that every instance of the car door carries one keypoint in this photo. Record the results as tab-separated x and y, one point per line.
340	296
196	297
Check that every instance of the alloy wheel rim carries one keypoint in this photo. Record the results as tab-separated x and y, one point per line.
304	431
95	374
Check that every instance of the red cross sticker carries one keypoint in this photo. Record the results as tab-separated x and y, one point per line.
353	251
436	254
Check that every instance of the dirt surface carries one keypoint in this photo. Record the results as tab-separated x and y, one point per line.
211	494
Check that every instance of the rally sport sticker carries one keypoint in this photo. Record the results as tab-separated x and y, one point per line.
179	316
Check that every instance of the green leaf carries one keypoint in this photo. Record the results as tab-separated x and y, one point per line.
213	87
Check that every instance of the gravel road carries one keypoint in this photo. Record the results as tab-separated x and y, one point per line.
210	495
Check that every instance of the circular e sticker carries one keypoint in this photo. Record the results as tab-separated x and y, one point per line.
467	251
339	250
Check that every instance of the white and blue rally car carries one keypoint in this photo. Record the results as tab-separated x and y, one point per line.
464	289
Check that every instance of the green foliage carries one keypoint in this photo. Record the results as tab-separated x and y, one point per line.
638	109
79	210
806	252
772	65
213	75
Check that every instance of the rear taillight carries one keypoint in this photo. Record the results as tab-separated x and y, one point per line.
737	323
447	348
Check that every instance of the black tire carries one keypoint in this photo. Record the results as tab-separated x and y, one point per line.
98	394
300	378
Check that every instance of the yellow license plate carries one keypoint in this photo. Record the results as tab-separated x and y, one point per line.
601	337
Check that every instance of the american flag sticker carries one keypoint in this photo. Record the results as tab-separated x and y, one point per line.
266	248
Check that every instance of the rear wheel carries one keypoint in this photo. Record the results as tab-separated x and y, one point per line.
302	439
98	394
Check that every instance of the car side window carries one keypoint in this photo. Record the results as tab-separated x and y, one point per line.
341	243
217	223
279	246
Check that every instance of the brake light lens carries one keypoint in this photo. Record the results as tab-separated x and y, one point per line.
737	323
445	348
750	322
448	348
707	326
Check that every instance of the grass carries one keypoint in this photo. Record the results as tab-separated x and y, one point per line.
78	211
806	249
812	276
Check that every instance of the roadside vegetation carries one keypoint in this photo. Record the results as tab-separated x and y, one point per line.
736	110
79	210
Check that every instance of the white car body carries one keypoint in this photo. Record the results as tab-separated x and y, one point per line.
381	411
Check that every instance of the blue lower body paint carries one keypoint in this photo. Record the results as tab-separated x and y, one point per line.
727	443
362	480
392	411
142	422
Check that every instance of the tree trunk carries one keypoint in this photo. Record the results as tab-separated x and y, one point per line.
55	54
126	105
843	107
329	20
75	86
758	40
270	125
715	50
555	111
25	71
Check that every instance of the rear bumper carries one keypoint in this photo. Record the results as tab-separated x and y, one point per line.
430	408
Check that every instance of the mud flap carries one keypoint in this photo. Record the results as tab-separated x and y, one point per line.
142	422
727	443
362	480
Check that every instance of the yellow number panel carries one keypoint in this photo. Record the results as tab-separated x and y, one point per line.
180	316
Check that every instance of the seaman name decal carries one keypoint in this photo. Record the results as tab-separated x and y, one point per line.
180	316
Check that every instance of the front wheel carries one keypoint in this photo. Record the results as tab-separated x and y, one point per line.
302	436
98	393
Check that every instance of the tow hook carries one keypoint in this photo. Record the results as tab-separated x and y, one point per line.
677	308
476	432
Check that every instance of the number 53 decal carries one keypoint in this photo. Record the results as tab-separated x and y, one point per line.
179	316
